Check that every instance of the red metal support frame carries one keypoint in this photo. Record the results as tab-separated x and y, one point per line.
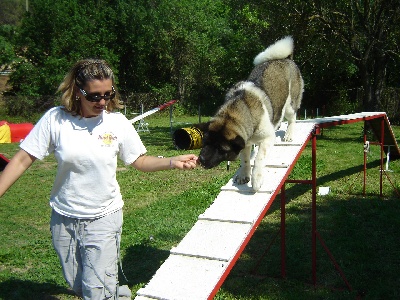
283	231
314	207
321	124
382	141
313	183
381	144
366	149
315	234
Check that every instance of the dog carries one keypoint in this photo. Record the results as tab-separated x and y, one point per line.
253	110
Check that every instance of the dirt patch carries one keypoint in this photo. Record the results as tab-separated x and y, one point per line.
3	87
3	83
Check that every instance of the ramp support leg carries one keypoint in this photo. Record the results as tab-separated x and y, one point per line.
315	233
382	141
366	149
383	169
314	208
283	231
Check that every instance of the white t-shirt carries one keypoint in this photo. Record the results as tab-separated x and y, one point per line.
86	150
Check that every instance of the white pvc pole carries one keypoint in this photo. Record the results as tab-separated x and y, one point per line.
152	111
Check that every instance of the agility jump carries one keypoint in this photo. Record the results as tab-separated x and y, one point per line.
152	111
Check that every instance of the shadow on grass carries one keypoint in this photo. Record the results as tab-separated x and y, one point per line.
14	289
140	262
360	232
158	136
296	190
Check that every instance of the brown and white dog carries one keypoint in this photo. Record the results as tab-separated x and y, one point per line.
253	111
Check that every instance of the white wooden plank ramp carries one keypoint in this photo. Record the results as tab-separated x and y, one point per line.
200	262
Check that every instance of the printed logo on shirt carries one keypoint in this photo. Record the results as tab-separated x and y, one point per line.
107	139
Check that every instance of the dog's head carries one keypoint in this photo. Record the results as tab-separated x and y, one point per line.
218	145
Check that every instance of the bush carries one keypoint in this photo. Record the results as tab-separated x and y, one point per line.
27	106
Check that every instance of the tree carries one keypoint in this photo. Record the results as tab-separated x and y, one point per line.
54	35
11	12
193	37
339	45
173	48
194	51
7	53
169	48
368	33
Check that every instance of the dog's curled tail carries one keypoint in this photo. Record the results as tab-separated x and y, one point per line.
280	49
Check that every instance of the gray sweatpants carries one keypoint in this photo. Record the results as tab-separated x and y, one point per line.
88	250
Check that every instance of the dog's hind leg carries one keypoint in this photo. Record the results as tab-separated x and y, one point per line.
244	172
259	162
290	116
292	105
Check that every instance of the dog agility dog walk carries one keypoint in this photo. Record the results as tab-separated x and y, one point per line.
253	110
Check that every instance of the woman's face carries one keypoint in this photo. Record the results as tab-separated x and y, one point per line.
95	88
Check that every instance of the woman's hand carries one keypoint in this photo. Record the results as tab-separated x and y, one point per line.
151	163
184	162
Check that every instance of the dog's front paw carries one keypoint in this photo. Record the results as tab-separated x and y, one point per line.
241	179
256	180
242	176
288	138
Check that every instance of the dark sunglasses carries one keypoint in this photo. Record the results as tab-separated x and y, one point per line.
96	97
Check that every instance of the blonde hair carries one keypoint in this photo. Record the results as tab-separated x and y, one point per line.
82	72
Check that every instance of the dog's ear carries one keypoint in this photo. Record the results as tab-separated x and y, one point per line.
238	144
202	126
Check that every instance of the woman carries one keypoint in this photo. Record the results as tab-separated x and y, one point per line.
86	137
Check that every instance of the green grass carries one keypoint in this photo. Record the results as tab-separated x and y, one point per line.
160	208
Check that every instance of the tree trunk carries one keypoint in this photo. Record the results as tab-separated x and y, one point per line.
366	87
373	82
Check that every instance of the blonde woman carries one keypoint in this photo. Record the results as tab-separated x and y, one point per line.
86	137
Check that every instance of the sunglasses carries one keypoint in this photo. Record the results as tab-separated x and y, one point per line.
96	97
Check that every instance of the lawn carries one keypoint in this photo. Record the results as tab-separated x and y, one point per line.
160	208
